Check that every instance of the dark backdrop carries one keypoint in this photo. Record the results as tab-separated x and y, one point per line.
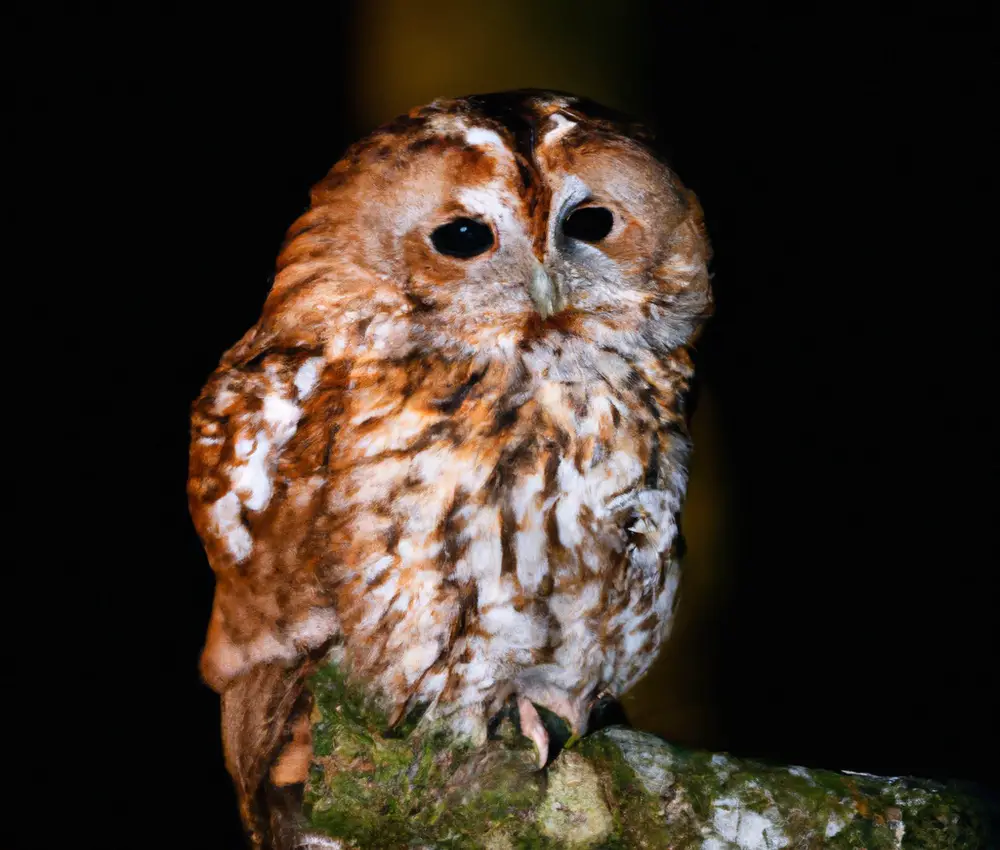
848	180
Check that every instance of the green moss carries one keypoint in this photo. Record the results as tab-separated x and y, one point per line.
925	814
701	782
413	784
639	820
418	787
861	812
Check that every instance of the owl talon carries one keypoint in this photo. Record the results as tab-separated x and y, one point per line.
534	729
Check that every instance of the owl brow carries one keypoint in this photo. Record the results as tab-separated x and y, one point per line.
516	113
511	111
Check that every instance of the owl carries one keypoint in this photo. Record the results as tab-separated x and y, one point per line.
454	446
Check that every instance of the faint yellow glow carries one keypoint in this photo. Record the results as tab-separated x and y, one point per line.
412	52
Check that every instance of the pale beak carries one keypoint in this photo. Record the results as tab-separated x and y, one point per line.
544	293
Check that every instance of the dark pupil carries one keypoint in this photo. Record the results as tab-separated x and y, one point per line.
462	237
589	224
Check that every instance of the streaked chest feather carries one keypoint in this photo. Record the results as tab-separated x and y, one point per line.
547	505
471	525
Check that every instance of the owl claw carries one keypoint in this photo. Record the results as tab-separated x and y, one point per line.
566	711
554	721
533	729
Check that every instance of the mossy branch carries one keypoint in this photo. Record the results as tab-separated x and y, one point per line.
616	788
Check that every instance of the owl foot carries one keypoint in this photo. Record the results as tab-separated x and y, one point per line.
546	729
533	729
552	721
563	714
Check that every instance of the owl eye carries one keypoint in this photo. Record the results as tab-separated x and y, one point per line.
589	224
462	238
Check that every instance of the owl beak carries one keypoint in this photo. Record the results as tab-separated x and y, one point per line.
545	294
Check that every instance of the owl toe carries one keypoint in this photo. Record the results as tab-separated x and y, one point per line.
533	729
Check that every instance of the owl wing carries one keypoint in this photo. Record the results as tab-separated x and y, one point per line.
259	435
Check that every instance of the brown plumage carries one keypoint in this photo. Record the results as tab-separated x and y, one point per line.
451	456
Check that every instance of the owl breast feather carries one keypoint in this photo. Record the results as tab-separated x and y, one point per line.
465	533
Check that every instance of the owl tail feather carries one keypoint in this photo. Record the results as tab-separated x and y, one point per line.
263	713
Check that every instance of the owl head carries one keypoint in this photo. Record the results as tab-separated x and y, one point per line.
488	225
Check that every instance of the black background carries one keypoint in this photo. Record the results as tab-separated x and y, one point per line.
849	183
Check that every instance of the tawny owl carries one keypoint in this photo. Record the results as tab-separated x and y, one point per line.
455	443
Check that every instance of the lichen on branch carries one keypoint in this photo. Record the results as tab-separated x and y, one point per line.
617	788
